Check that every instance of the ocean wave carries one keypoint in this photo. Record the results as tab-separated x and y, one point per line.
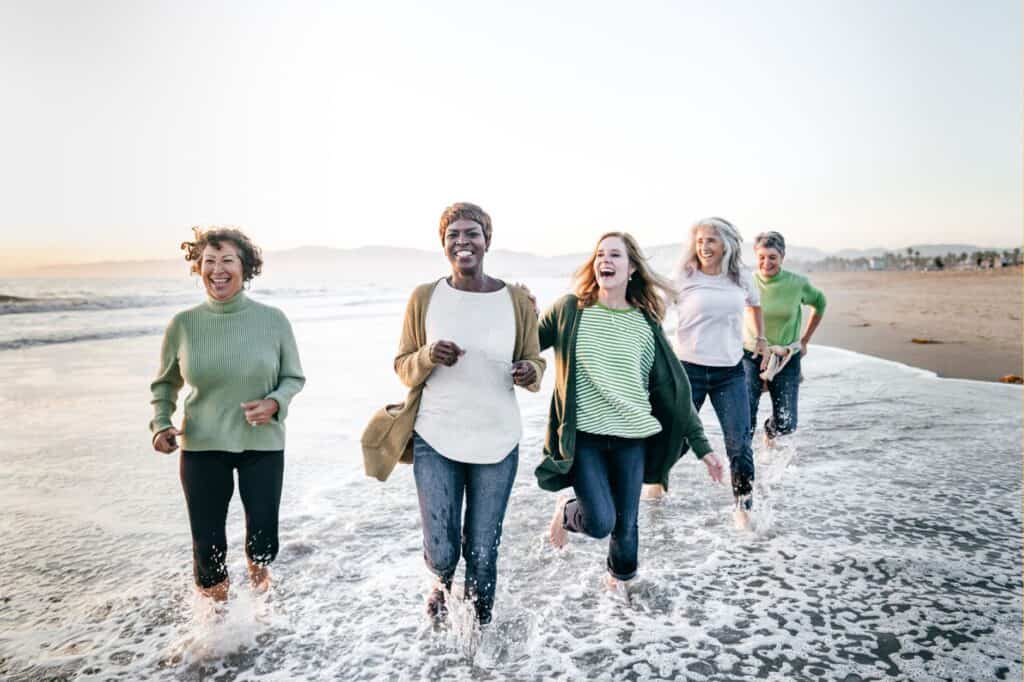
76	337
10	305
14	305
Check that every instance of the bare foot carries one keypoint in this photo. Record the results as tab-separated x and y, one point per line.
741	513
616	586
652	491
557	534
259	578
769	442
218	592
437	608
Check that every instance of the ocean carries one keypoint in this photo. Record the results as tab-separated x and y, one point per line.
887	538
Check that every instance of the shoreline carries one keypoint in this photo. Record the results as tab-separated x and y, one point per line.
971	321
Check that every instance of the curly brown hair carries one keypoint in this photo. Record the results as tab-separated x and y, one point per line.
251	255
464	210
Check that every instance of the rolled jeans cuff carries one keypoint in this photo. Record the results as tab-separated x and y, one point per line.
620	576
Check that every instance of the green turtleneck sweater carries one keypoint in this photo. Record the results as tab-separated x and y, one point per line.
229	353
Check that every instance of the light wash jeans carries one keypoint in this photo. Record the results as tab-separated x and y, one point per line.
441	484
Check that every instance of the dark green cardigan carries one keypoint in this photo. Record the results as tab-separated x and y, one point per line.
671	403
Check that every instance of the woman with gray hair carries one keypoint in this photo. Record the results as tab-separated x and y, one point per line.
783	295
713	293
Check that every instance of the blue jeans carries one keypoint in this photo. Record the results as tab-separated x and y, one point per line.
727	388
608	473
784	390
441	484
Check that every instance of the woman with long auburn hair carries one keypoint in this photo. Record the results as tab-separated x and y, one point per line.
621	413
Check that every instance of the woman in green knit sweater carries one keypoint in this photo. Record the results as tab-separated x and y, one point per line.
240	359
783	295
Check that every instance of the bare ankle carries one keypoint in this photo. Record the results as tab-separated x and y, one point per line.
218	592
259	577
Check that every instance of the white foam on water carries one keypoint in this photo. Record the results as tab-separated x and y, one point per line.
878	548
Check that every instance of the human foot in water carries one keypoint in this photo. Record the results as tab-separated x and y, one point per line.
557	534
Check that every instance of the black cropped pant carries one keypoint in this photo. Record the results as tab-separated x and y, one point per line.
207	477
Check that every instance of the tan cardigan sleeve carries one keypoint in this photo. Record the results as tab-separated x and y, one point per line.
527	337
413	364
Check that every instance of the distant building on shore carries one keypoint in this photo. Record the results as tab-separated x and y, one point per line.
914	260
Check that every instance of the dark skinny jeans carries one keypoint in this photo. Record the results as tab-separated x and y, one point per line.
208	479
727	388
608	473
784	390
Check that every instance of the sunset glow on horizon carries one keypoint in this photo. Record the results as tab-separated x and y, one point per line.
841	124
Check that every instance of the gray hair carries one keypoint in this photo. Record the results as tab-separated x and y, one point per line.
731	240
771	240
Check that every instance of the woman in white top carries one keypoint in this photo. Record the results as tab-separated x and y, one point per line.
714	292
467	339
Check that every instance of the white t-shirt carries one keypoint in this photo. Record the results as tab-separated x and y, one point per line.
709	317
469	412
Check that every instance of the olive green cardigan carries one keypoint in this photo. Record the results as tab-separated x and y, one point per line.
387	439
671	403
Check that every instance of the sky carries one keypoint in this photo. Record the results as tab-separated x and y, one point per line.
842	124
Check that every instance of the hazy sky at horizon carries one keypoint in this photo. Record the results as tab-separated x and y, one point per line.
840	123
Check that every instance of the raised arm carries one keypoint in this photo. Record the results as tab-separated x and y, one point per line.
547	328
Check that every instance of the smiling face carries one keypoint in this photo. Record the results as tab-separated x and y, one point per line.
221	270
611	263
769	261
465	246
710	247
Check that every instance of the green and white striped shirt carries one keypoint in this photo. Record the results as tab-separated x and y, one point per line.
614	356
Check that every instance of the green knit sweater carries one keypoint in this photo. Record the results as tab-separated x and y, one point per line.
782	299
229	353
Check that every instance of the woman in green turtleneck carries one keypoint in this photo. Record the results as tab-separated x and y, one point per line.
783	295
240	359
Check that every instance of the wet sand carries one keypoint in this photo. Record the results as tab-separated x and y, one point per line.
976	317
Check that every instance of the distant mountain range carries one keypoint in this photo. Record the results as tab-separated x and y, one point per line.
373	262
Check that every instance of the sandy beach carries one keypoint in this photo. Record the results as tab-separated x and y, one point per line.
976	317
